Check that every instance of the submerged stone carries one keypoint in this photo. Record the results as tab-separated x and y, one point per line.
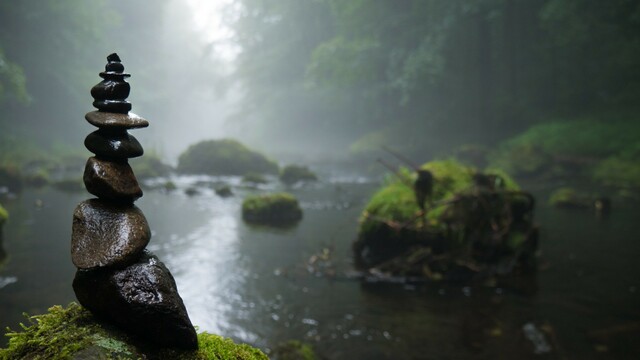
103	119
107	234
141	298
111	180
113	144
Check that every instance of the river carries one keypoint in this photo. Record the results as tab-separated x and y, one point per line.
254	284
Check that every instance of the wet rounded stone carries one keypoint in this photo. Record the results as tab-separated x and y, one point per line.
111	180
107	234
110	89
114	106
103	119
142	299
113	144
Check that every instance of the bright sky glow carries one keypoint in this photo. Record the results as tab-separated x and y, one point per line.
209	22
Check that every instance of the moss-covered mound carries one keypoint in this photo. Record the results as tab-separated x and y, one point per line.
475	224
72	333
291	174
223	157
279	209
605	152
568	198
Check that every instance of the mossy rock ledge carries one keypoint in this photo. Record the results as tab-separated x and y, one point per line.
477	226
224	157
277	209
73	333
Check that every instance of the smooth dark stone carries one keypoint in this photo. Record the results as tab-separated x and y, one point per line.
116	106
107	234
114	67
115	120
111	90
111	180
142	299
114	75
113	144
113	57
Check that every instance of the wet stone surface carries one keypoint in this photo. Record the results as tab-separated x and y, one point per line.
113	144
107	234
111	180
141	299
115	120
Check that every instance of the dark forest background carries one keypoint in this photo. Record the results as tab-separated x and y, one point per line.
328	77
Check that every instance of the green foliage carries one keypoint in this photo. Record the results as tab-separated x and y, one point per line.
607	150
63	332
578	137
278	208
617	171
12	81
223	157
4	215
291	174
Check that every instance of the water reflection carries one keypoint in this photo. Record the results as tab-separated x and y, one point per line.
255	284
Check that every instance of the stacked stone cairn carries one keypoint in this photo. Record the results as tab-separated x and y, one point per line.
117	279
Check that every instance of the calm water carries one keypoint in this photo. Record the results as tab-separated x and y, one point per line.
253	284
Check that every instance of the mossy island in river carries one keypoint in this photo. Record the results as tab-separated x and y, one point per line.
475	226
278	209
224	157
73	333
292	174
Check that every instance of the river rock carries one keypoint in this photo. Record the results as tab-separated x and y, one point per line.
115	120
113	144
111	89
107	234
141	298
111	180
113	106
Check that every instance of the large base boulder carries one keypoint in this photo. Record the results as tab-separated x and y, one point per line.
141	299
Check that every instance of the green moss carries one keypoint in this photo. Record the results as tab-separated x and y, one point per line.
64	333
223	157
56	335
216	347
4	215
273	209
568	198
291	174
466	212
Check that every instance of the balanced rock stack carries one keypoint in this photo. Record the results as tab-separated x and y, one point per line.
117	279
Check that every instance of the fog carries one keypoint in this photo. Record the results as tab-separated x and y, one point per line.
542	91
319	79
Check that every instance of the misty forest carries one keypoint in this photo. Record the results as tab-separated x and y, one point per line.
319	179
